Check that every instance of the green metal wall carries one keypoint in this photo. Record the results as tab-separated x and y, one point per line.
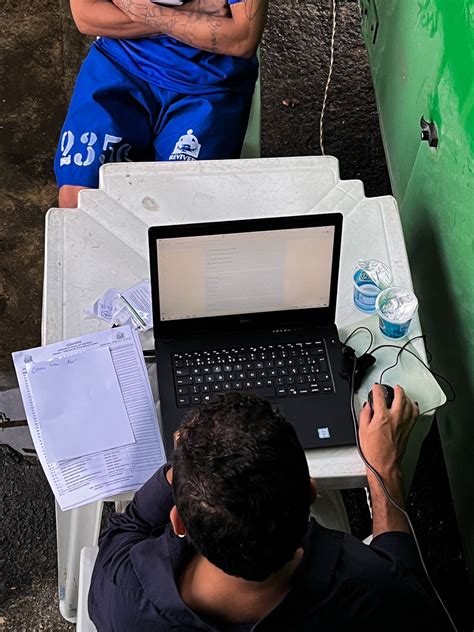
421	54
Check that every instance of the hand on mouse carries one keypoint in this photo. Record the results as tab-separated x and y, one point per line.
384	434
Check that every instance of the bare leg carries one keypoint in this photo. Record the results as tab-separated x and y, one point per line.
68	196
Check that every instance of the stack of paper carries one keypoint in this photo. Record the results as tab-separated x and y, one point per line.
130	307
91	415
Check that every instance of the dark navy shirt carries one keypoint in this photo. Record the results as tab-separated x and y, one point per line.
341	583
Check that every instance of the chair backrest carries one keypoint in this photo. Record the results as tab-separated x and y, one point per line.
88	557
251	146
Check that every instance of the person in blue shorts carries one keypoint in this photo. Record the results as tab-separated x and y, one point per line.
159	83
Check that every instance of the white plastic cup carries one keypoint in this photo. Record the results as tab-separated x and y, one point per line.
395	307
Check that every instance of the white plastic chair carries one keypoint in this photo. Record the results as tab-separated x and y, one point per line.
87	559
86	566
251	146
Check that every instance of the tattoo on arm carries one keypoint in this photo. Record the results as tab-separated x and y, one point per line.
214	26
252	7
209	30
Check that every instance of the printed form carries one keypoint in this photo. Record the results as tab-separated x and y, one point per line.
91	395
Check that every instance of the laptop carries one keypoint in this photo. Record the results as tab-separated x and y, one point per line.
249	306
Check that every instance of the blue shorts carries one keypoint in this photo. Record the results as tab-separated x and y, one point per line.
115	116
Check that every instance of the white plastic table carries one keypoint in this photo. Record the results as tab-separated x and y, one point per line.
103	244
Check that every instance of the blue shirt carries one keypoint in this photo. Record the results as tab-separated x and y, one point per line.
341	584
172	65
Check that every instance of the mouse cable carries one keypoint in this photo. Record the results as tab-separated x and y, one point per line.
355	332
370	351
400	350
403	348
389	497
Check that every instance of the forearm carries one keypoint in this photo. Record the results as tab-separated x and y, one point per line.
237	35
103	18
386	517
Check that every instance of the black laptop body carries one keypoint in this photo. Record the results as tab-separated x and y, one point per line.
249	306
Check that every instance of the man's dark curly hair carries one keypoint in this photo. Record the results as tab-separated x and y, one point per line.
241	485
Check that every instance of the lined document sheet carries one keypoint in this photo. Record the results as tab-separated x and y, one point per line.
101	473
79	402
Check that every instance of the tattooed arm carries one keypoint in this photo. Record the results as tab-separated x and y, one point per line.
238	35
103	18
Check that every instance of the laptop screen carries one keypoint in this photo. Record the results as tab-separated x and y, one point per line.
244	273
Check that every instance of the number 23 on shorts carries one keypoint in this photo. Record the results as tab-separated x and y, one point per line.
112	151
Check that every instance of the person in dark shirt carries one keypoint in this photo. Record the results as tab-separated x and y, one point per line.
222	539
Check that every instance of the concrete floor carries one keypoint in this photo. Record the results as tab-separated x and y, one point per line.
42	54
296	52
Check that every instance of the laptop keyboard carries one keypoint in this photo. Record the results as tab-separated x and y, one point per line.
278	370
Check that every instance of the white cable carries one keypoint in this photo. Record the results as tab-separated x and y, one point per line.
328	82
369	502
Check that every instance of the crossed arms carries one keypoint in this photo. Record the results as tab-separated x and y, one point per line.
210	25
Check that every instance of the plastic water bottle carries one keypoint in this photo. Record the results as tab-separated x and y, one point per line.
370	277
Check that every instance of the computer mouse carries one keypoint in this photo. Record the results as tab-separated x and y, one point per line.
387	391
